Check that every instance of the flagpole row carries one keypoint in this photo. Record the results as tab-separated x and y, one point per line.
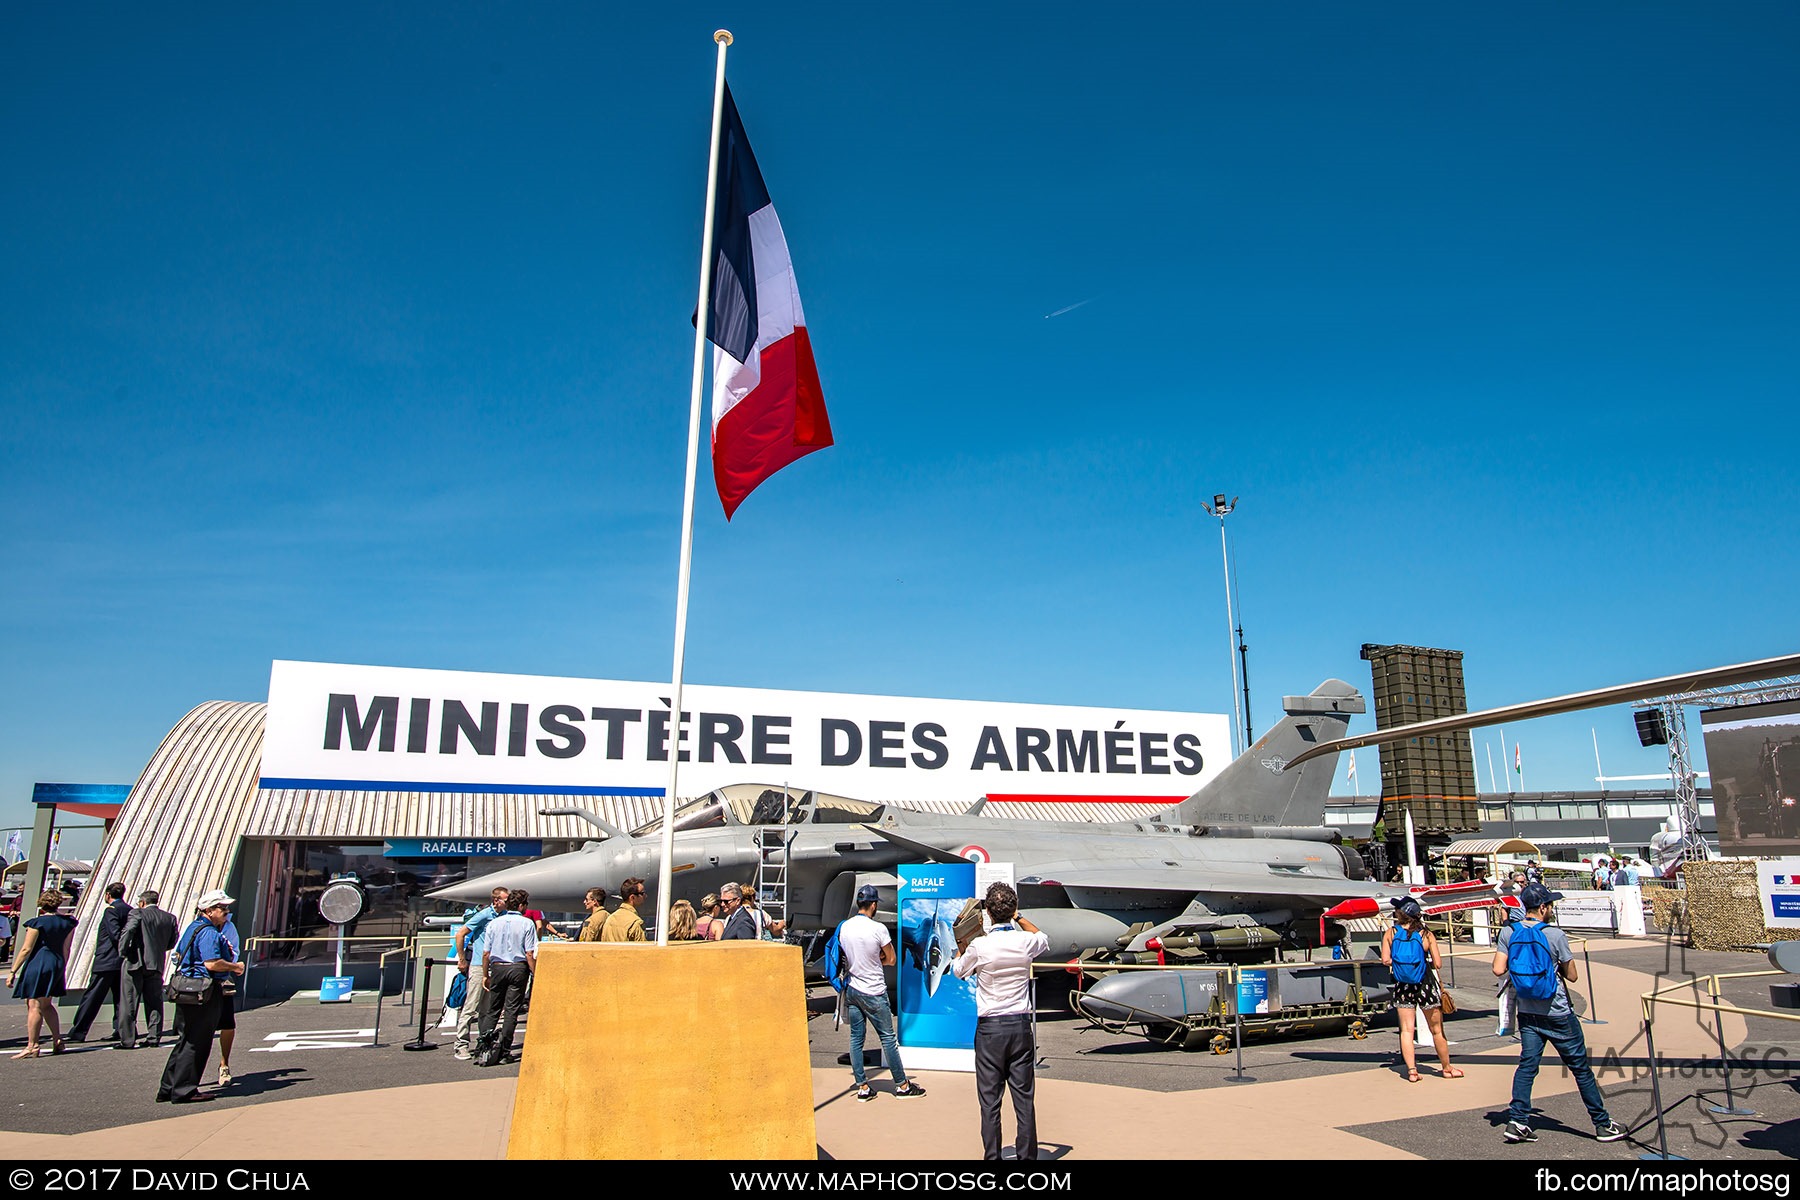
664	878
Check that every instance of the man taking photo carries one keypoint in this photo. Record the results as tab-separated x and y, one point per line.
1000	960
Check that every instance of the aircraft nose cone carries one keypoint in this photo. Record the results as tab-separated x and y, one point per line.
556	884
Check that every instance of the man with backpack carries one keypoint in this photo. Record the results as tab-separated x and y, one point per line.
1535	957
866	948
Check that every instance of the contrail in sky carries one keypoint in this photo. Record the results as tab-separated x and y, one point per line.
1059	312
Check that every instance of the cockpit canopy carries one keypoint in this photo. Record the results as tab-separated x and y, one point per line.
759	804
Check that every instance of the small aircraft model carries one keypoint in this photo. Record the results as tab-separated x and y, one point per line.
1243	865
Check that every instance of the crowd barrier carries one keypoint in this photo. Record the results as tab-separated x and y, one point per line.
1718	1009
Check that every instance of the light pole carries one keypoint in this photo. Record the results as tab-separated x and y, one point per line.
1235	649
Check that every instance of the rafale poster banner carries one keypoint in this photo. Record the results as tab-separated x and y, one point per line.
335	726
937	1009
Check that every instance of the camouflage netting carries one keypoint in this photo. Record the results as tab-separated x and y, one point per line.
1724	908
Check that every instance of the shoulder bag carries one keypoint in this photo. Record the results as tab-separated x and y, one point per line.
188	990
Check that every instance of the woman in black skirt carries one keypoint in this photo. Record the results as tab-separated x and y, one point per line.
1412	998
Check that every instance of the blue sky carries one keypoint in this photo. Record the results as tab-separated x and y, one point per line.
360	333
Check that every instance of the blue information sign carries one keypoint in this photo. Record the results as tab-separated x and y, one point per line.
462	848
936	1008
1253	992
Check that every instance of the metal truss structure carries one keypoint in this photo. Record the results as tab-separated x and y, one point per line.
1674	710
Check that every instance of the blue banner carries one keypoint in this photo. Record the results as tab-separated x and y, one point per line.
1253	992
462	848
936	1008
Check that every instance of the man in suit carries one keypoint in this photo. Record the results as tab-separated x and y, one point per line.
739	924
150	934
103	976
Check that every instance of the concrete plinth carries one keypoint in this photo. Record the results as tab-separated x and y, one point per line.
693	1050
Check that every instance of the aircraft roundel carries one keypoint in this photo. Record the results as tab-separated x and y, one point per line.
974	854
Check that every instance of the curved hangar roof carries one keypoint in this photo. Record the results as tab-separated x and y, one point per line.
180	828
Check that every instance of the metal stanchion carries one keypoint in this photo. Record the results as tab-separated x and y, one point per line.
419	1043
1589	968
406	977
1662	1133
1036	1062
1729	1108
1237	1007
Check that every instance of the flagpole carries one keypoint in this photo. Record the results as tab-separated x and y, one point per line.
664	878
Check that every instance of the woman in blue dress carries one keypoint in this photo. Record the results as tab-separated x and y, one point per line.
37	971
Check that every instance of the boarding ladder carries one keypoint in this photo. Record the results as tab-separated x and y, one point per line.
772	870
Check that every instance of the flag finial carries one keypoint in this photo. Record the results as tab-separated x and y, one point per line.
722	36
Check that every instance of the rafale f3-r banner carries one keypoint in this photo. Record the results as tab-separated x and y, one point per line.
336	726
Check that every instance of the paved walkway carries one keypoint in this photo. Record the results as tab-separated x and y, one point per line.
1079	1120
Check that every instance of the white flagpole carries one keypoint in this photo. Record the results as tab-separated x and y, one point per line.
664	878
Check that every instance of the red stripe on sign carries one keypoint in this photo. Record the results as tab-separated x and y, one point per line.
782	419
1044	798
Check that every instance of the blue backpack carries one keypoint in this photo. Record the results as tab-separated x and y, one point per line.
837	967
1529	963
1408	953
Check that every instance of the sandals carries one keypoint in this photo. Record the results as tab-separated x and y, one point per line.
1412	1076
30	1051
1452	1073
56	1045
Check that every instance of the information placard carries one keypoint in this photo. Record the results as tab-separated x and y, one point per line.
1778	882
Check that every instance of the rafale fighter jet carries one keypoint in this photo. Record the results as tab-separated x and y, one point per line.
1244	864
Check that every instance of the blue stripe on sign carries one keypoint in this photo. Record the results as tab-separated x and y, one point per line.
482	789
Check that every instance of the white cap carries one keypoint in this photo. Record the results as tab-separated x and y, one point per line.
209	899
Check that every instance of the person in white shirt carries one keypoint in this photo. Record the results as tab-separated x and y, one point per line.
1000	960
866	948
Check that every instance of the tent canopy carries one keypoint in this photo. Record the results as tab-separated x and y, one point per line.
1491	846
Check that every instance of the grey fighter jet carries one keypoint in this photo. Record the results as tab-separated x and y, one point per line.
1244	864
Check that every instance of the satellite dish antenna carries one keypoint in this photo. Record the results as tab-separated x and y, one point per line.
339	903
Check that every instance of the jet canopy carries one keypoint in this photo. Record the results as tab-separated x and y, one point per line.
758	804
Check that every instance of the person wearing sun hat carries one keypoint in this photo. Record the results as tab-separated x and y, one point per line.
202	953
1537	957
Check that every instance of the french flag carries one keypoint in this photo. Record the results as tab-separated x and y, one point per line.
768	408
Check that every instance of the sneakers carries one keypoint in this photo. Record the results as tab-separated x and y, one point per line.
865	1093
908	1089
462	1052
1609	1132
1519	1131
224	1075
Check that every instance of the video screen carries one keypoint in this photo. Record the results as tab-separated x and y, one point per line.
1753	755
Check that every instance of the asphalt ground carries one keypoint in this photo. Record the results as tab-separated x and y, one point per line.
300	1048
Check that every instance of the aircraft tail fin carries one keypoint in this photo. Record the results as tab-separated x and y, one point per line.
1255	789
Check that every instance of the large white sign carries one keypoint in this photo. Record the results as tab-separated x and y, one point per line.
1778	880
405	729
